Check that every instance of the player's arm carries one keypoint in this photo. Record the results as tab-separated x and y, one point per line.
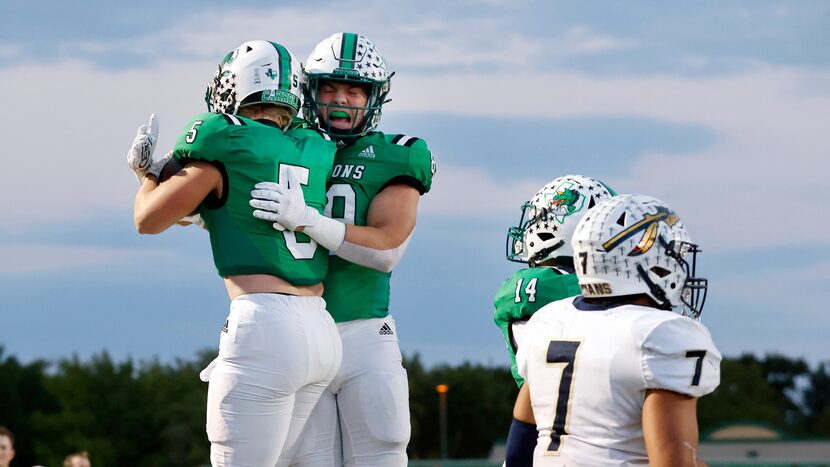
377	245
522	437
522	410
390	221
680	363
158	206
670	429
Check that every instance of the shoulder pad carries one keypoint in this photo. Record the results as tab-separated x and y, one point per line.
308	132
403	140
679	355
233	119
298	123
321	133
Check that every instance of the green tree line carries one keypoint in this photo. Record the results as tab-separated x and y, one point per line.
153	414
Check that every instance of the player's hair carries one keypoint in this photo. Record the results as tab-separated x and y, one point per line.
279	114
7	433
67	462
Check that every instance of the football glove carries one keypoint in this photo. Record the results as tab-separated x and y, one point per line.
140	155
283	204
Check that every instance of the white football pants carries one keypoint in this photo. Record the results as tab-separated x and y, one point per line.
362	419
276	356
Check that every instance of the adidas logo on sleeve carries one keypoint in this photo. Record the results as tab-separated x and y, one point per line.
385	330
368	153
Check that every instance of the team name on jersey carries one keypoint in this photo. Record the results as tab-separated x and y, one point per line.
352	171
589	290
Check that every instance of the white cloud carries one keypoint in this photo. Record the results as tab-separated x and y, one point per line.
768	162
413	37
475	192
765	171
582	40
767	166
27	258
72	163
762	184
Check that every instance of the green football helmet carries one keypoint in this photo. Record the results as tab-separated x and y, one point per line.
351	58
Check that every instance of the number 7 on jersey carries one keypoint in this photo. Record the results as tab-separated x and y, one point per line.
562	354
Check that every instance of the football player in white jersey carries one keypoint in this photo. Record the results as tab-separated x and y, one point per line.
614	374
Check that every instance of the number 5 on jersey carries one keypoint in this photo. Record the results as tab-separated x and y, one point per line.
299	249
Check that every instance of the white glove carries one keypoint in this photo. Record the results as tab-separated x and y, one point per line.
140	155
283	204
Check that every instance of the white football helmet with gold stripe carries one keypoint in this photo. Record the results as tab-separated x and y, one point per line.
636	244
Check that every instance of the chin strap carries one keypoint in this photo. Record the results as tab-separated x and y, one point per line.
543	253
657	293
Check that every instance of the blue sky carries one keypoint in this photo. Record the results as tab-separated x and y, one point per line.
718	108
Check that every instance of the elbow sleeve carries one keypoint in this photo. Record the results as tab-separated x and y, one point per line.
521	441
380	260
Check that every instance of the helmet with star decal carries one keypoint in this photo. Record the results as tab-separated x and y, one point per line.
351	58
256	72
550	217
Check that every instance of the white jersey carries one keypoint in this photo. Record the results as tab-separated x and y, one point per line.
589	367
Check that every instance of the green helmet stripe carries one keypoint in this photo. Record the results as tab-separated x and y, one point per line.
348	47
284	66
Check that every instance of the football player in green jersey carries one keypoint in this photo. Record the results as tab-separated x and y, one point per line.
279	348
543	241
376	182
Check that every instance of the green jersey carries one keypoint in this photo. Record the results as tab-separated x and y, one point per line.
361	170
522	294
247	152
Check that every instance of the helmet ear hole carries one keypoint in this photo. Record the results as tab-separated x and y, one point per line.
545	236
661	272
